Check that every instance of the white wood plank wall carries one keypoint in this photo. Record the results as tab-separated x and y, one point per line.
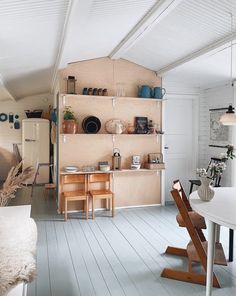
216	97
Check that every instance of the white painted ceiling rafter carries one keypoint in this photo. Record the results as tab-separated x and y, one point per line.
5	93
159	11
61	44
209	49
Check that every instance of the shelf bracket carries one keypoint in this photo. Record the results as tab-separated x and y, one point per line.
113	140
113	102
64	101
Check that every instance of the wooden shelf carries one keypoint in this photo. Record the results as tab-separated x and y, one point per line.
119	135
110	172
115	98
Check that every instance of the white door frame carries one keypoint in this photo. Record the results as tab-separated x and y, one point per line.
195	99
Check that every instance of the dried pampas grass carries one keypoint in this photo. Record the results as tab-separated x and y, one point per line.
15	179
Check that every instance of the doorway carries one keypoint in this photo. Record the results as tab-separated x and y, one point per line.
180	148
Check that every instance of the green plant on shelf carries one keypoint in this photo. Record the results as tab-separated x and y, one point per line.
68	114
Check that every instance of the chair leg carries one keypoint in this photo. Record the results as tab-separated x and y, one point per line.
65	211
231	245
113	205
191	188
92	208
87	208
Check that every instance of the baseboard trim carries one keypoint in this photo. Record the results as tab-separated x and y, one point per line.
117	208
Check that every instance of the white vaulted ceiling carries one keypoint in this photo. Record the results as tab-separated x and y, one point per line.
30	32
184	40
191	26
97	26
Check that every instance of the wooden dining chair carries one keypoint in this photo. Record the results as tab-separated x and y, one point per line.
104	192
196	250
197	220
80	194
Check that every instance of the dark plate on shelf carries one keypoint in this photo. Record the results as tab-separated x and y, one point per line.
91	125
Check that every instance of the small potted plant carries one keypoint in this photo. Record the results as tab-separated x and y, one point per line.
69	125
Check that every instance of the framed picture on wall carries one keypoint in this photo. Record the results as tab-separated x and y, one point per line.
218	132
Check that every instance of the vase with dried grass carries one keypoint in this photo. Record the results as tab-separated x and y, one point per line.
15	180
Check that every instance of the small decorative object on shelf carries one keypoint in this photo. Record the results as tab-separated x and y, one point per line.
88	168
158	92
141	125
91	124
71	85
151	127
100	92
95	91
69	125
144	91
130	128
90	91
103	166
120	89
155	158
116	159
136	163
155	161
105	92
85	91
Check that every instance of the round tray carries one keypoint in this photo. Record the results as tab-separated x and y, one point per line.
115	126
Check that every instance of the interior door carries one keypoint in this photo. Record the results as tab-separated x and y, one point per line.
179	150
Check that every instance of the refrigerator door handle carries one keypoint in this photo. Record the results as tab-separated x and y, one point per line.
30	140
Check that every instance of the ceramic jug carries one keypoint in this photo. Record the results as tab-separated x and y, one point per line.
144	91
158	92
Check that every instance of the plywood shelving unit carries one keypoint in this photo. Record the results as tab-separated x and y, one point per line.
131	187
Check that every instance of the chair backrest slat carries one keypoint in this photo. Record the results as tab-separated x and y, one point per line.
97	178
72	179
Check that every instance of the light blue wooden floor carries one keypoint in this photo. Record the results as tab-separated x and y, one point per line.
120	256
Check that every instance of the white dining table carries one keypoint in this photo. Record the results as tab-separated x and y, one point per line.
221	210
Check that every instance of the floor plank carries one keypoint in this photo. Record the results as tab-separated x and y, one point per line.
120	256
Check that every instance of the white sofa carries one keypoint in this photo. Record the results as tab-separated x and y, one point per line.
18	238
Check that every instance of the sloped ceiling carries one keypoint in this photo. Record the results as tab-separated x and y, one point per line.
30	32
180	39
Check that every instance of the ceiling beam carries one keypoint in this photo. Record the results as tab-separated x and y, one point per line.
159	11
6	90
61	45
201	52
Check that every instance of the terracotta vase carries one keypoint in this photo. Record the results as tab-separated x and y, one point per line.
205	190
69	126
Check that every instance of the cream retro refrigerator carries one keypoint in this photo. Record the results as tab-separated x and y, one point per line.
35	146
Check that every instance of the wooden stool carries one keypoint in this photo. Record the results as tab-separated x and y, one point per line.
103	193
80	194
